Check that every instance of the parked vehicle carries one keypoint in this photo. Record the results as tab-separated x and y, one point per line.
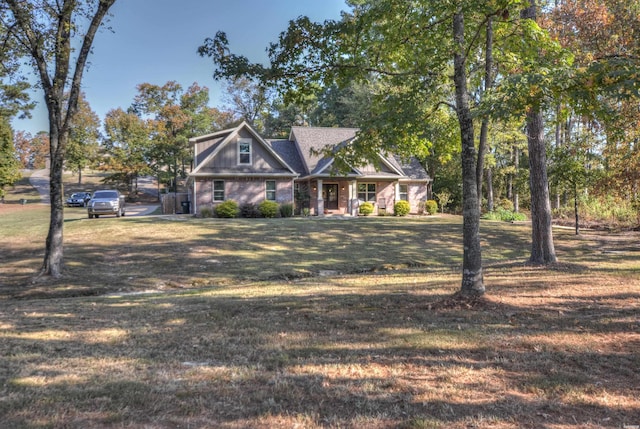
78	199
106	202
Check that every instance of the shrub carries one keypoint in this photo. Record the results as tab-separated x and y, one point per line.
227	209
443	197
505	203
249	210
366	208
504	215
269	208
431	206
402	208
206	212
286	210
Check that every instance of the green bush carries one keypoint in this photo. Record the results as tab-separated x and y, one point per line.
505	203
505	216
228	209
286	210
431	206
206	212
401	208
268	208
366	208
249	210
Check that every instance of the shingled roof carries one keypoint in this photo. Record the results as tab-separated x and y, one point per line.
316	138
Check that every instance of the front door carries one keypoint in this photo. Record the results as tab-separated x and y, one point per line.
330	196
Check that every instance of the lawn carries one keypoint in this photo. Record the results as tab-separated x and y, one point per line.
172	321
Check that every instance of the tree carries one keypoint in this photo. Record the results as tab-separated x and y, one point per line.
128	146
248	100
57	37
9	164
84	133
32	151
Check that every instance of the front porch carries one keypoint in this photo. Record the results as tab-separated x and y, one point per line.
343	196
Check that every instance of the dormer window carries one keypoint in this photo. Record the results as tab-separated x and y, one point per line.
244	151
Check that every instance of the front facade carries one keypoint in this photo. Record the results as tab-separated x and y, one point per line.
240	165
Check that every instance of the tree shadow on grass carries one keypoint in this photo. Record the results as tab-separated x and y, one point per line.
325	359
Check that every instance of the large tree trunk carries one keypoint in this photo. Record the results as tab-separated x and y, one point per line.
53	263
542	248
472	278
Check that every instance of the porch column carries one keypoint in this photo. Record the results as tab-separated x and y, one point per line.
320	203
353	198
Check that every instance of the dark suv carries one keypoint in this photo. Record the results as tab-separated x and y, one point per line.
78	199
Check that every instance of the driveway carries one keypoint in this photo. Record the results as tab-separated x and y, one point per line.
39	179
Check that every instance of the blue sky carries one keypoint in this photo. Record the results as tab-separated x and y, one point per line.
155	41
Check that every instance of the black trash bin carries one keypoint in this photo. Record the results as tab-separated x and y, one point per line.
185	207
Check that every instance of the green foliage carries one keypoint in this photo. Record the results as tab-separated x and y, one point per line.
604	210
504	215
286	210
9	165
206	212
82	147
504	204
443	197
269	209
249	210
366	208
401	208
227	209
431	206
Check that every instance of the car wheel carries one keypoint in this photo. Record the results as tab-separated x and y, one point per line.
119	213
97	216
90	216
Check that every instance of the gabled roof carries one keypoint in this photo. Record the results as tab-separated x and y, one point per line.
313	139
221	138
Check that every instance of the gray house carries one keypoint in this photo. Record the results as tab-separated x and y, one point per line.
239	164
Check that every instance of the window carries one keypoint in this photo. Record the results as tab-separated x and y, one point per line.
244	151
404	194
367	192
271	190
218	190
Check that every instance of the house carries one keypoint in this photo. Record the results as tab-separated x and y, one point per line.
239	164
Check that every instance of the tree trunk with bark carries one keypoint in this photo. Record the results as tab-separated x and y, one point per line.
472	275
542	248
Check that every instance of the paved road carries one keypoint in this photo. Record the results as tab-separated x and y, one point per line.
39	179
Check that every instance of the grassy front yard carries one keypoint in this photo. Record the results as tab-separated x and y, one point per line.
167	322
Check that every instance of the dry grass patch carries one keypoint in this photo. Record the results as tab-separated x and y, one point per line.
205	323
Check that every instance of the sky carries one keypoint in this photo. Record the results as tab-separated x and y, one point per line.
156	41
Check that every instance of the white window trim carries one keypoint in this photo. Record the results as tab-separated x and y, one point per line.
406	194
248	141
266	190
213	191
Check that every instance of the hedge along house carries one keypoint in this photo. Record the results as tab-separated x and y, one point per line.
239	164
